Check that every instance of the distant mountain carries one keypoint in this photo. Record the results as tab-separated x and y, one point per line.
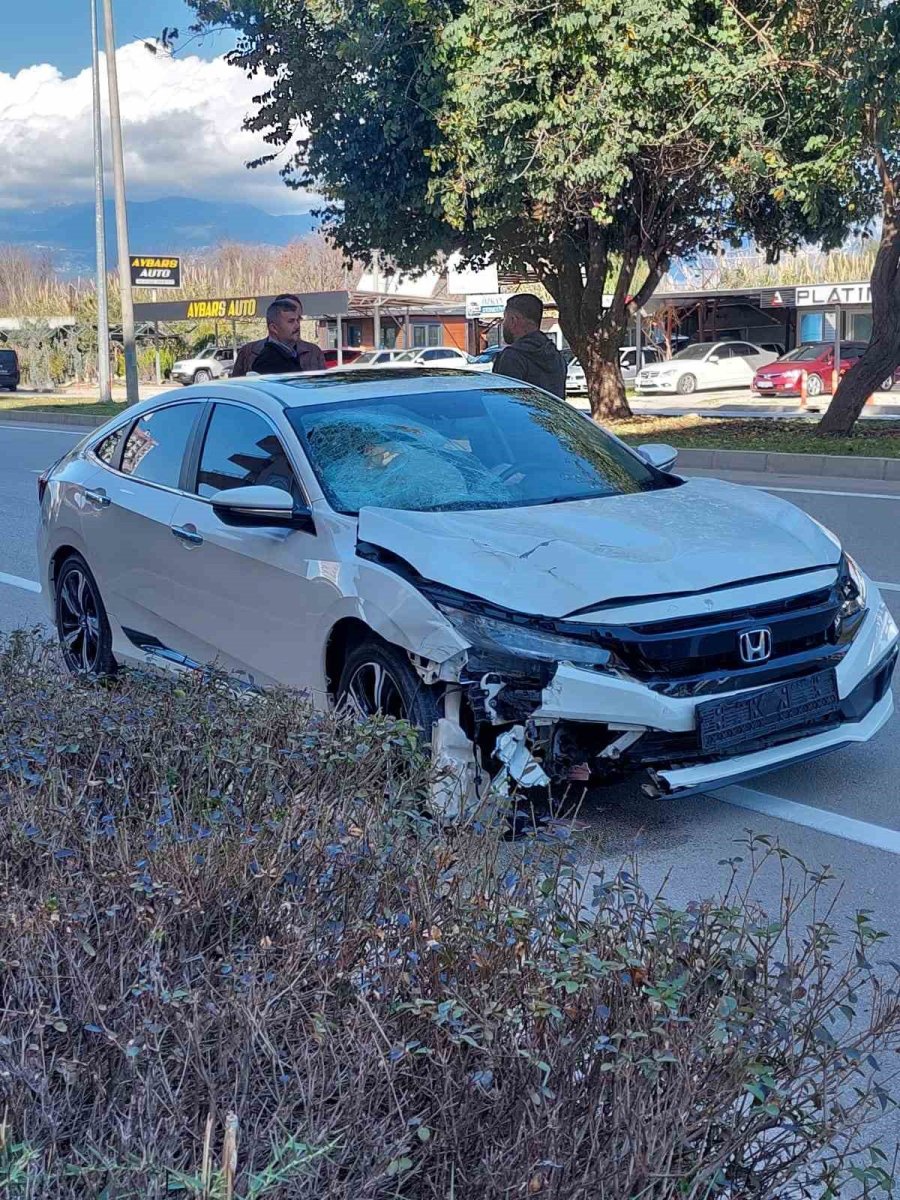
174	225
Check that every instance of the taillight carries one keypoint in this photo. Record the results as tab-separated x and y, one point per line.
43	480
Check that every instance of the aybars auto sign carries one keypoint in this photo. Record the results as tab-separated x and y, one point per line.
155	271
827	295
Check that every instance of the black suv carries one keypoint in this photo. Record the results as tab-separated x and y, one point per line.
9	369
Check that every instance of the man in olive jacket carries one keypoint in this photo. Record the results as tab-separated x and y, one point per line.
529	354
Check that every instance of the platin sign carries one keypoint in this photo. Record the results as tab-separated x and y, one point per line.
155	271
827	295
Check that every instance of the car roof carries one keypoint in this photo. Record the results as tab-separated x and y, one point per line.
359	383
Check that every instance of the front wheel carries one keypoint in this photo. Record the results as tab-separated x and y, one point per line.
686	385
378	680
887	384
814	385
202	376
84	634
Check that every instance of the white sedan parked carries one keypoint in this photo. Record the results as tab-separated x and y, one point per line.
705	365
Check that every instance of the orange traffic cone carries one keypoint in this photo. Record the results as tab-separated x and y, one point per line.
803	395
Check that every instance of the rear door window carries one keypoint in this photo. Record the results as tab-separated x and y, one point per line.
241	449
155	448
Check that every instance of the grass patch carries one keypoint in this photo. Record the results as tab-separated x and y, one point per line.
238	960
870	438
60	403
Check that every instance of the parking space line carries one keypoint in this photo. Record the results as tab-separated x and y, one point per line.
847	828
888	587
16	581
822	492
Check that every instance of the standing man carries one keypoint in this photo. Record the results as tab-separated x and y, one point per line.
529	354
309	356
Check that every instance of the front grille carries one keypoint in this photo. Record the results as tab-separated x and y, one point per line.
700	654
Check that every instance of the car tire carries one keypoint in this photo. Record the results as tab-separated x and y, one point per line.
687	384
202	376
14	387
85	637
887	384
814	385
377	678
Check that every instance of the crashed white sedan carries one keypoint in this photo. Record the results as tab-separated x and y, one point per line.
471	554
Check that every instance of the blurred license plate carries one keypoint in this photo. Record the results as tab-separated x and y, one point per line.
794	703
764	383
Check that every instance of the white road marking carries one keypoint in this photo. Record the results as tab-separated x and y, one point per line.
822	492
16	581
75	431
848	828
888	587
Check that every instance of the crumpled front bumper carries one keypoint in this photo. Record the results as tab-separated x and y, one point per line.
863	682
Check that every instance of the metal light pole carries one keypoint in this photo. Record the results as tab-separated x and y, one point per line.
115	125
100	220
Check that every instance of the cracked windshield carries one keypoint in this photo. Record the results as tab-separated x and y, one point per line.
465	450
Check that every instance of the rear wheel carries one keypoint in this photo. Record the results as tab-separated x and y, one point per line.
686	385
84	634
377	679
202	376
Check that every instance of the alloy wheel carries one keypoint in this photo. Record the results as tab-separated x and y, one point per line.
372	690
814	386
79	622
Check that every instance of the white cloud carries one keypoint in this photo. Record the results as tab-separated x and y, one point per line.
181	126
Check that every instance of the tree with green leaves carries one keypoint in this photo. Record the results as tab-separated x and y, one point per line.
591	142
862	61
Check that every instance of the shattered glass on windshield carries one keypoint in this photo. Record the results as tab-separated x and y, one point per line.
456	450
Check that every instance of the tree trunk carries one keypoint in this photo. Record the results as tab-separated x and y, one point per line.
883	354
606	391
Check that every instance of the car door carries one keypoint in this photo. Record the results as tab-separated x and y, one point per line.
251	600
628	364
730	369
128	518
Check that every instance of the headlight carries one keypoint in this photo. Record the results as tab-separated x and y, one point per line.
524	641
791	377
853	588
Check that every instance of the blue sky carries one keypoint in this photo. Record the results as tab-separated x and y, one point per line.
182	115
58	31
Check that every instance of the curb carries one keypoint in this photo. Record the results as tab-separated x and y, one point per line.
828	466
48	417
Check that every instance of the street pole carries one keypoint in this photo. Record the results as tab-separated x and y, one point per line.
115	125
103	379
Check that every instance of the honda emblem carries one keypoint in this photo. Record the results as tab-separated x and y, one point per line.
756	645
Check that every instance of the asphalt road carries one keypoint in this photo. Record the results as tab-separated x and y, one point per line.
855	791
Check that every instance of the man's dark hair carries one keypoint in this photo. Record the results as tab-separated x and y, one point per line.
282	304
294	299
527	305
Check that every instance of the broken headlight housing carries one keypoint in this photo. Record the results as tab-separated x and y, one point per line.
524	640
852	586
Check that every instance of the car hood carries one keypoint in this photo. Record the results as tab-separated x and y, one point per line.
558	559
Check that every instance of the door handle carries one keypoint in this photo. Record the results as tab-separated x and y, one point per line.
97	496
190	536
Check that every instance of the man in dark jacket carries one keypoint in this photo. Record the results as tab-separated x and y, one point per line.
530	355
309	356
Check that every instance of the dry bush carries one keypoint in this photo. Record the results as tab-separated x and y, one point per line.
237	960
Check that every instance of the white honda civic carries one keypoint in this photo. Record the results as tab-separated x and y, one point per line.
475	556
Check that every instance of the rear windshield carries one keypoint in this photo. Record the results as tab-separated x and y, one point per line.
452	451
7	358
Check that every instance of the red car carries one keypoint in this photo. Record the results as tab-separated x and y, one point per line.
331	357
782	378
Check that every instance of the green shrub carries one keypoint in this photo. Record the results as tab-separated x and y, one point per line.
236	959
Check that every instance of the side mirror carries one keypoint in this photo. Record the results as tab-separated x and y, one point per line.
714	358
261	506
659	455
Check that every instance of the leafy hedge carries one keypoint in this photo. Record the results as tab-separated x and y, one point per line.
238	959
